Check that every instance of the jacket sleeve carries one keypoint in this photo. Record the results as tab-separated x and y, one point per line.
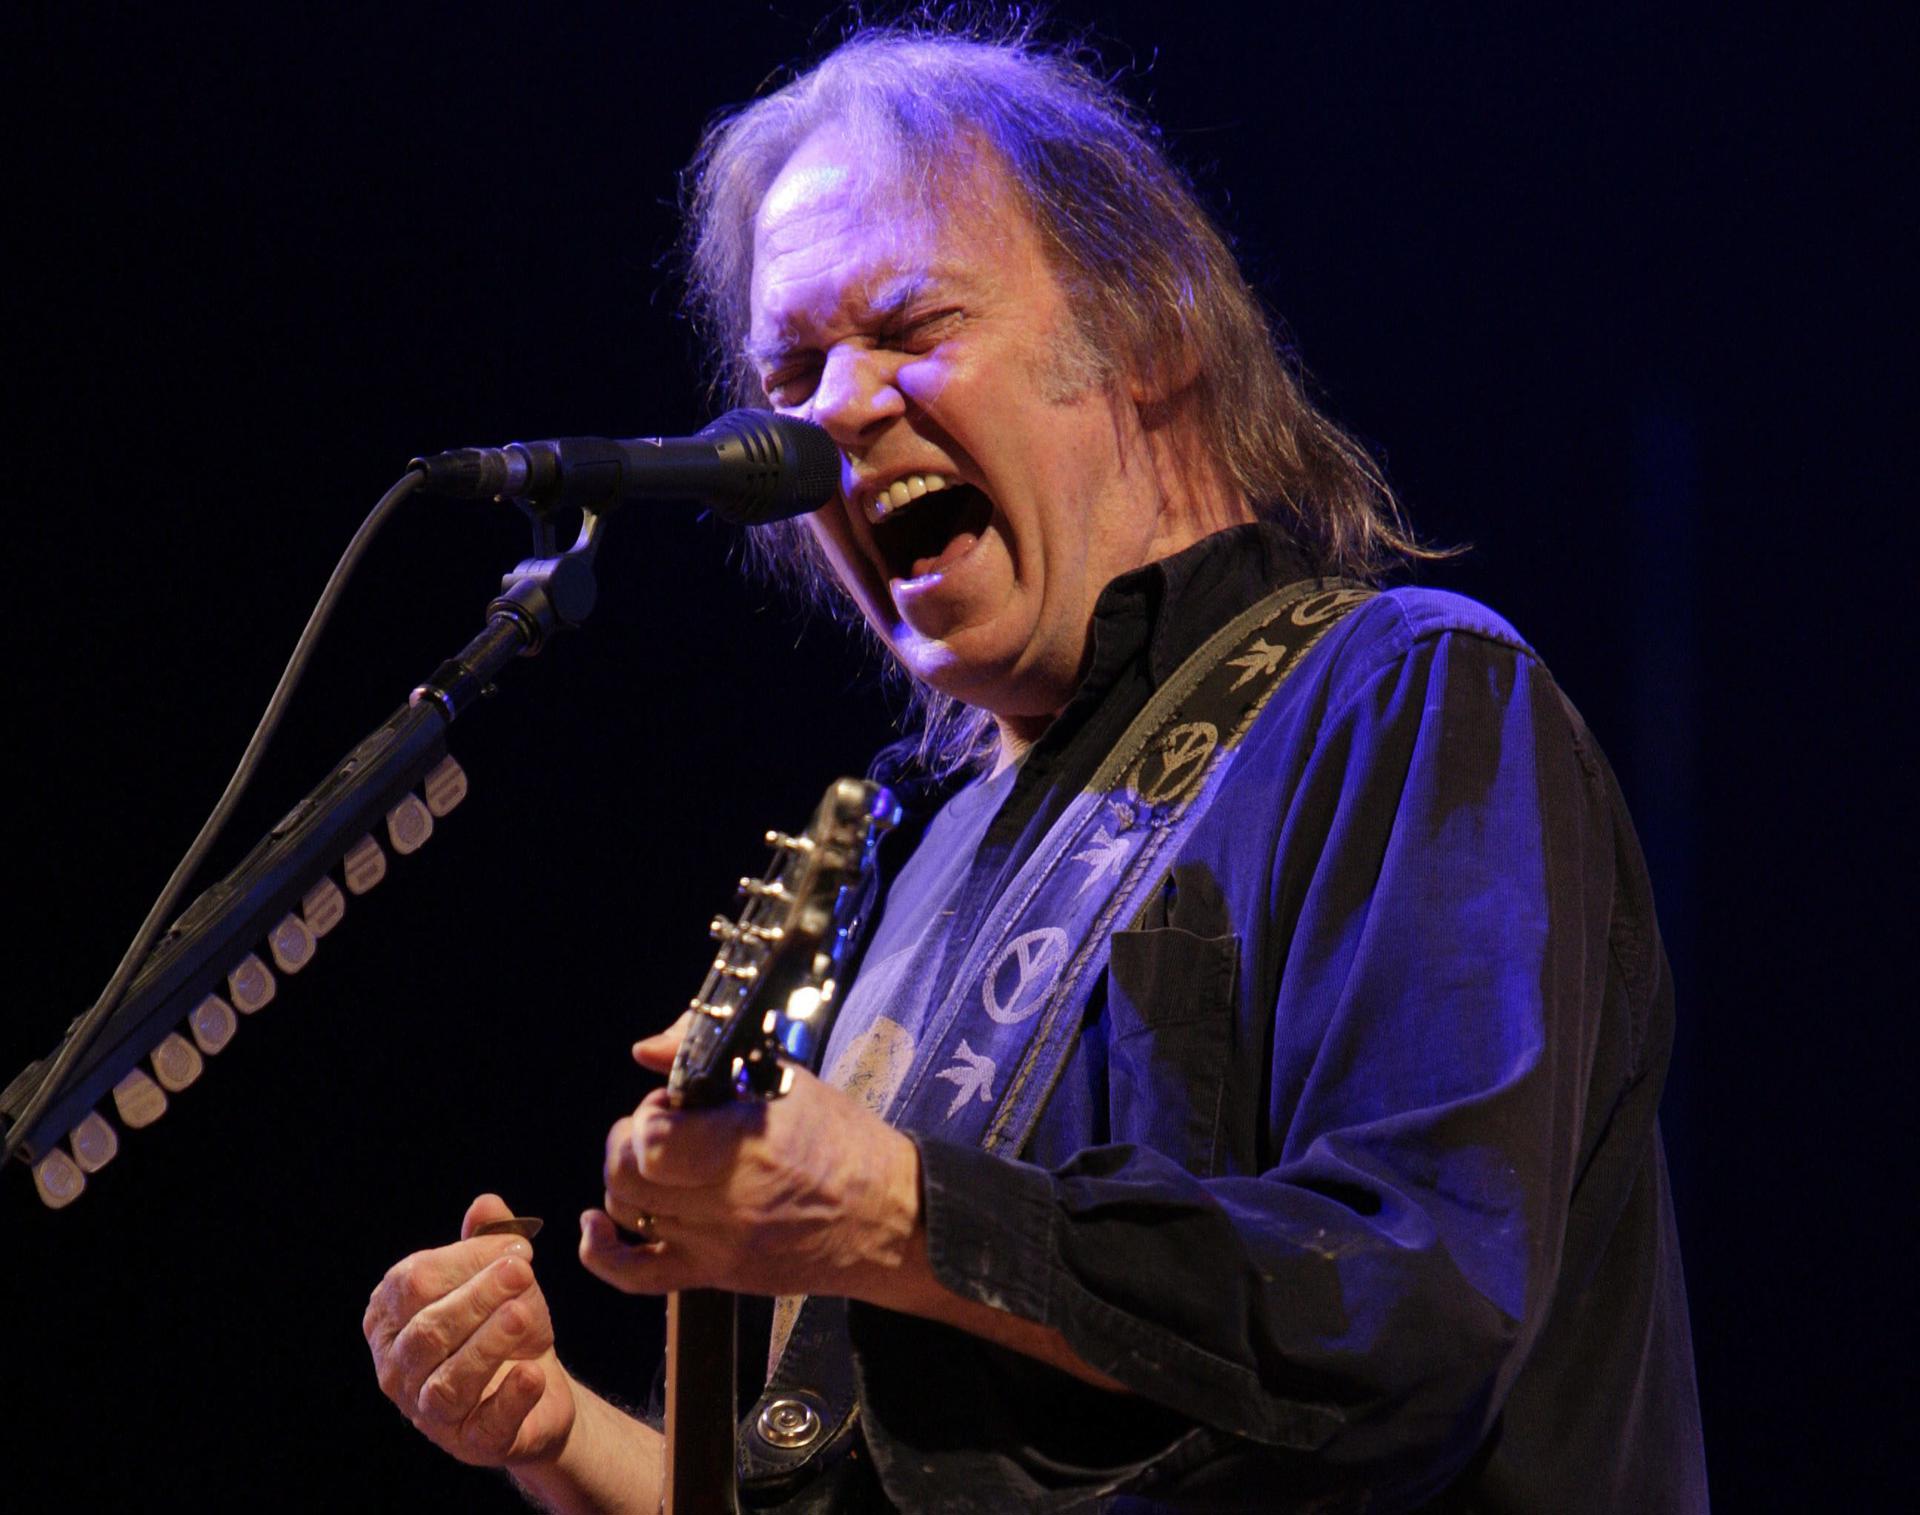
1341	1269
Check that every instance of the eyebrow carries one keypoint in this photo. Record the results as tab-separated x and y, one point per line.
892	300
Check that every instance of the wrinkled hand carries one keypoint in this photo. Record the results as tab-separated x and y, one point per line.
808	1193
463	1344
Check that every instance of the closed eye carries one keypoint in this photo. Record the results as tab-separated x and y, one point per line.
791	379
921	333
788	387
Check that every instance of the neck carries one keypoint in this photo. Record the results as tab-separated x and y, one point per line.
1199	510
1017	735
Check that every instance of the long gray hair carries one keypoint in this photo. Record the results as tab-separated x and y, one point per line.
1154	289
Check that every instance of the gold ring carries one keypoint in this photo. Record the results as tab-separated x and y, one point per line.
642	1229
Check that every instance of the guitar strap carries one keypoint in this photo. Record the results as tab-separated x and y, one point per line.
993	1049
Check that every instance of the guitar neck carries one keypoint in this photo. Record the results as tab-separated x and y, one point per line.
701	1403
765	1005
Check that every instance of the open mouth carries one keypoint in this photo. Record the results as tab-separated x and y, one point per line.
925	535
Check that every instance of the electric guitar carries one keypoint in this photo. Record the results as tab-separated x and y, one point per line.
766	1005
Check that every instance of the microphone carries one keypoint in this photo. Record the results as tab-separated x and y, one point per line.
751	466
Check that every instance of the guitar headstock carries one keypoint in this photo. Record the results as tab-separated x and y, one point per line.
774	984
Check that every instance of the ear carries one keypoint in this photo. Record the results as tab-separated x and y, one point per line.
1158	388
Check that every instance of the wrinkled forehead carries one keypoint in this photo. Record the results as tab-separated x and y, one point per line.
819	176
844	211
816	202
866	169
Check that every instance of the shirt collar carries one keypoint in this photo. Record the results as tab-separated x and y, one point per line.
1146	623
1168	608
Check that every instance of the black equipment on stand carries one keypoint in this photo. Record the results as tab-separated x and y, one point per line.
184	997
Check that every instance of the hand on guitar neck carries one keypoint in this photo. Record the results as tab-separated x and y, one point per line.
747	1174
810	1193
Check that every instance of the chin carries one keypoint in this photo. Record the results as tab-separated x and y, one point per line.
1001	688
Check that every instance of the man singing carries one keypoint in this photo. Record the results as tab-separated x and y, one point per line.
1334	1183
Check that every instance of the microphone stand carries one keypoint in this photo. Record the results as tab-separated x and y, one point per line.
212	944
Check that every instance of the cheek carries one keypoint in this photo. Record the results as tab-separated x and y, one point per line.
835	539
924	380
849	564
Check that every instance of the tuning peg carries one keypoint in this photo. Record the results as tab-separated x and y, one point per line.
176	1062
250	984
364	865
785	843
139	1100
409	824
58	1179
760	889
723	930
322	906
212	1023
445	787
291	943
94	1142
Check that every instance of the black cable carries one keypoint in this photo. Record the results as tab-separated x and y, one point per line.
81	1034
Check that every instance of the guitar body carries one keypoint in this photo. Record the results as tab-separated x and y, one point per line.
766	1005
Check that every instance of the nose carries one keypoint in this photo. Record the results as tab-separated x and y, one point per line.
856	396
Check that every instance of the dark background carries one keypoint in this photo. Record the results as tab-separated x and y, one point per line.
1612	291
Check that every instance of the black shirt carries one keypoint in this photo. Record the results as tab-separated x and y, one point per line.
1354	1177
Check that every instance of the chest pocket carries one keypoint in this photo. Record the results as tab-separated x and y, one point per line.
1170	996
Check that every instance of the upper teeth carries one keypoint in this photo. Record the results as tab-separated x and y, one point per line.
900	491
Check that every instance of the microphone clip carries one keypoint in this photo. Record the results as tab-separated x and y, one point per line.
552	590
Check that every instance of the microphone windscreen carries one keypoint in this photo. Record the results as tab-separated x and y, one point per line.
786	467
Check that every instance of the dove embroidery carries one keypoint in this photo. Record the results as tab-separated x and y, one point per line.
1104	856
971	1074
1261	659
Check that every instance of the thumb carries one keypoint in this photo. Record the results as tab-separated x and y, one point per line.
656	1052
487	1207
